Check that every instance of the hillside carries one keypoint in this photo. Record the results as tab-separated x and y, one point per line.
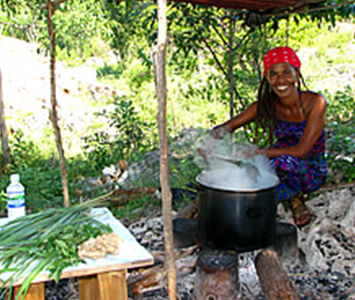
26	93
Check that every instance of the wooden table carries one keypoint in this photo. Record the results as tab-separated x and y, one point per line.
104	278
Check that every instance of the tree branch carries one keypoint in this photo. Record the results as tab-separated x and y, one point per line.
219	34
223	71
243	38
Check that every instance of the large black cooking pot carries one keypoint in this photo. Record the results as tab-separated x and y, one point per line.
237	220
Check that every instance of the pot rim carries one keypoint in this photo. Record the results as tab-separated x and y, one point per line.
233	190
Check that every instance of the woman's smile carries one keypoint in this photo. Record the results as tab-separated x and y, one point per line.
282	78
282	88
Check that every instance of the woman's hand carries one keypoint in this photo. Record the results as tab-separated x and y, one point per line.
259	151
244	118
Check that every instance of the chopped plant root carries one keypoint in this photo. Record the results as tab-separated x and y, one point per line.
98	247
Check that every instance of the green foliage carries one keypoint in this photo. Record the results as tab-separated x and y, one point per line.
24	153
341	136
182	165
40	174
136	207
137	74
43	186
99	150
127	139
110	72
342	105
77	24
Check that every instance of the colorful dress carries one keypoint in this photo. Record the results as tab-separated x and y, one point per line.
298	175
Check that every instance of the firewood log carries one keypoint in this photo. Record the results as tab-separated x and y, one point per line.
273	278
216	275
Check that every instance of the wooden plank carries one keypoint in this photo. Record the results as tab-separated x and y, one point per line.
89	270
35	292
112	285
88	288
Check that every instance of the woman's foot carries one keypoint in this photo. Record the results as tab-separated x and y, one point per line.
300	212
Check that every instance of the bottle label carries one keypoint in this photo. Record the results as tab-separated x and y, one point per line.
16	204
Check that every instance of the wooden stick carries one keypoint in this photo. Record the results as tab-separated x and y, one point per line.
333	187
161	89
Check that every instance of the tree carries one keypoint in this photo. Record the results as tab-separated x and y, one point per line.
53	114
3	129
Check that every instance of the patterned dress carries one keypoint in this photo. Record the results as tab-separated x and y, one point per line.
298	175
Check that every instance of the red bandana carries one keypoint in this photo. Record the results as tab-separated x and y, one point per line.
281	54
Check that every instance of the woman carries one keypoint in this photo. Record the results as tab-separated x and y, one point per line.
296	119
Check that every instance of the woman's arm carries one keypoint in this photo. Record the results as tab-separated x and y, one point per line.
316	119
245	117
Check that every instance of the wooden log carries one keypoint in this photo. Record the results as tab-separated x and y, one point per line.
148	279
216	275
273	278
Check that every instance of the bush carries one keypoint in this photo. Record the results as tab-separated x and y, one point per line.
341	136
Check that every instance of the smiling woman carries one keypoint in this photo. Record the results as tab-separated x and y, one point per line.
296	120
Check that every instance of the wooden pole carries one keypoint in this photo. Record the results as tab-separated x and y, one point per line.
160	76
231	64
3	129
53	114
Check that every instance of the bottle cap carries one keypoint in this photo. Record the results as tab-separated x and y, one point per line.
14	177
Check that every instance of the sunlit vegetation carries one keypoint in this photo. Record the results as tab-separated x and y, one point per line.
198	91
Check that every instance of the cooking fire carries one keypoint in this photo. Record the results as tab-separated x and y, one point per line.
317	273
221	248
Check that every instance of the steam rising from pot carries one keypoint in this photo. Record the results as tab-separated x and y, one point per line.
232	167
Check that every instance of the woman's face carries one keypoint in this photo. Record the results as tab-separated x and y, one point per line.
282	78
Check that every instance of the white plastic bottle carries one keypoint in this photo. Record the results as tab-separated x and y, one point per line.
15	198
